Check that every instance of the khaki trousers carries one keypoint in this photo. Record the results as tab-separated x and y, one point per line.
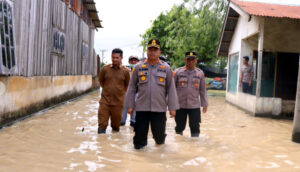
114	112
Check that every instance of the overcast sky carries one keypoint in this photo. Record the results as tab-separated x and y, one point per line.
124	22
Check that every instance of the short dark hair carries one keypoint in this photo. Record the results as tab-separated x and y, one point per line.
117	50
246	57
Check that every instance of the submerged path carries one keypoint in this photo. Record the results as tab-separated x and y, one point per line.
230	140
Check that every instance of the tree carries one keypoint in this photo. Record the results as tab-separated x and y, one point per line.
195	25
102	64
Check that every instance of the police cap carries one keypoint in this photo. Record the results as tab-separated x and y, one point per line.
190	54
153	43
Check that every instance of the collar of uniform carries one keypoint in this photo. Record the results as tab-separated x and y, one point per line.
111	65
146	61
186	68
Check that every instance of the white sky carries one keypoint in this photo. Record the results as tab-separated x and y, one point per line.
125	20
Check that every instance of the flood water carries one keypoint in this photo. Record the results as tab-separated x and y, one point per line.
230	140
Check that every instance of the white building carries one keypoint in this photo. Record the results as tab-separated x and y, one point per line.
270	35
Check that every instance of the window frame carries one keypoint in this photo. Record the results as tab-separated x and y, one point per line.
7	39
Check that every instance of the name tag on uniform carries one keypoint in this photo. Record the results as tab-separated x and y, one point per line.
161	70
143	73
143	69
198	77
182	76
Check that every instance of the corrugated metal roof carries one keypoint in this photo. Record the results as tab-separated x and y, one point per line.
93	13
269	10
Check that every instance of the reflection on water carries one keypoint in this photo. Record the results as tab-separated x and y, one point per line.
66	139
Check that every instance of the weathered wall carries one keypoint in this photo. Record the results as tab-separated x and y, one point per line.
282	35
27	94
268	106
243	30
35	25
261	105
244	101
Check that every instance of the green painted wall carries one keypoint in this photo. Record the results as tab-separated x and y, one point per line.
233	72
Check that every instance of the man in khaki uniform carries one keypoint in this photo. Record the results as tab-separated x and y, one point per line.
114	80
191	91
154	80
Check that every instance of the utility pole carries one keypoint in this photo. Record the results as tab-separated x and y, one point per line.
102	51
143	55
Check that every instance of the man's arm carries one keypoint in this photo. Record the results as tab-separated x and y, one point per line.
251	76
175	77
172	94
203	93
101	76
127	78
131	91
241	78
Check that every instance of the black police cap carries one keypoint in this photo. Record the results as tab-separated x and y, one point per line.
190	54
153	43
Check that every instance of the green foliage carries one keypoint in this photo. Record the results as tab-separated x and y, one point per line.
102	64
195	25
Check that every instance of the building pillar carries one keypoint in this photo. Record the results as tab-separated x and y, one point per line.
260	56
296	122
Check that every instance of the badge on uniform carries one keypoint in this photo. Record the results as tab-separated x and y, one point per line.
182	83
196	85
161	79
143	78
162	67
144	66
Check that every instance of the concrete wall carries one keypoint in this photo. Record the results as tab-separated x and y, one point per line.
244	101
282	35
260	106
288	106
244	29
268	106
24	95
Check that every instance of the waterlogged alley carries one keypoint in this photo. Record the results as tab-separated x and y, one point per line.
65	139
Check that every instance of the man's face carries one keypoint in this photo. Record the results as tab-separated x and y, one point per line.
190	62
245	62
116	58
153	53
133	61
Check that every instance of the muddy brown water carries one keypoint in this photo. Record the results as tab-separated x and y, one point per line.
230	140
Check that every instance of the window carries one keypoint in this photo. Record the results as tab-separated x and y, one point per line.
7	36
233	71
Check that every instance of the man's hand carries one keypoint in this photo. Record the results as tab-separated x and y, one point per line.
250	83
172	113
204	110
130	111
